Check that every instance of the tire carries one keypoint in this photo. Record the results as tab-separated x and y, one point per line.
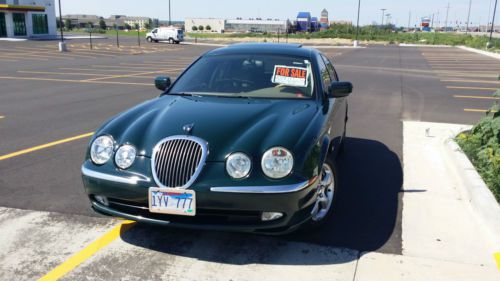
171	41
149	39
318	219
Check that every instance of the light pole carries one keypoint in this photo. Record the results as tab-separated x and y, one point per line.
383	13
489	45
357	25
169	18
446	20
468	18
62	45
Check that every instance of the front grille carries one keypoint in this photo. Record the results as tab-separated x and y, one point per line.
178	160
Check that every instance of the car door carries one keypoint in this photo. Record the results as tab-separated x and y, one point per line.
341	102
336	111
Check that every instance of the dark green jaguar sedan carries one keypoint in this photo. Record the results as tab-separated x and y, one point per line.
245	139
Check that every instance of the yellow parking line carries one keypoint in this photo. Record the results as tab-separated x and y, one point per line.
471	88
88	251
95	69
497	259
43	146
123	76
72	81
476	110
476	97
471	81
63	73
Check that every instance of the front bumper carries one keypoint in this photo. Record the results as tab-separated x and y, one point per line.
227	208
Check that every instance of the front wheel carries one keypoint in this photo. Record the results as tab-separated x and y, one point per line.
326	194
149	39
171	41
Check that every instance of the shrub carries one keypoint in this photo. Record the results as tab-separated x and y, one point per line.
482	145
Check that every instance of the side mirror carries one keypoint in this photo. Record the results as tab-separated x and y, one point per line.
162	83
340	89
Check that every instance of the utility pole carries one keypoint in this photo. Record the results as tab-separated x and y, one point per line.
468	18
169	18
489	45
446	20
357	25
383	13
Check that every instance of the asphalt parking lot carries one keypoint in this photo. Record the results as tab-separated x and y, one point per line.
50	103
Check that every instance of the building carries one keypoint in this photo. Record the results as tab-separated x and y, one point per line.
118	21
216	25
303	22
257	25
141	21
324	22
82	21
27	18
314	24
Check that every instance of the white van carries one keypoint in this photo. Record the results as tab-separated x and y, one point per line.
170	34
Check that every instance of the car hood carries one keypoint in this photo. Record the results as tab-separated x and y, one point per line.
227	124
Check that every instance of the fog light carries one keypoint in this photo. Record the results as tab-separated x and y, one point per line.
270	216
102	199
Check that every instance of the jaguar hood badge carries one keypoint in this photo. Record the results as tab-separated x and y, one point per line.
188	128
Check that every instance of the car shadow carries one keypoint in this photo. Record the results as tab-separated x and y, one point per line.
366	213
370	177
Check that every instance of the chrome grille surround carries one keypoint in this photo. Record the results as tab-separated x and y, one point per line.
177	161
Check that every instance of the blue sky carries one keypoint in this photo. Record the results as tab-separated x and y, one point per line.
338	9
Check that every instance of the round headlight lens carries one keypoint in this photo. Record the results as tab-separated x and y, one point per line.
238	165
277	162
125	156
101	149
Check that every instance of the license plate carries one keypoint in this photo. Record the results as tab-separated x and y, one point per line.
172	201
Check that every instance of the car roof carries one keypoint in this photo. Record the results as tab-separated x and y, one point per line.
264	48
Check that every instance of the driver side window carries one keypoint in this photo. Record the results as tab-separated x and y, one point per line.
325	76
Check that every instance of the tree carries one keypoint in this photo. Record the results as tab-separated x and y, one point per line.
67	24
102	24
127	26
200	28
208	27
194	28
115	26
136	26
148	24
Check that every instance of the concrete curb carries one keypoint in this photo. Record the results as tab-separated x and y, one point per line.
204	44
475	190
423	45
485	53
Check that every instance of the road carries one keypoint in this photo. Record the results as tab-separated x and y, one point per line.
50	103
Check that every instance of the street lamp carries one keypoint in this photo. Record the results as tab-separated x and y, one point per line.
383	13
490	44
62	45
169	18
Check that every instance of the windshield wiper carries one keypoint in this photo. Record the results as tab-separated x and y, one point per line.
184	94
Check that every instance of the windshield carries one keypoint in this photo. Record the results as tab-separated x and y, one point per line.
262	76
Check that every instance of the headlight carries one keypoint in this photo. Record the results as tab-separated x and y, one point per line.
238	165
101	149
277	162
125	156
